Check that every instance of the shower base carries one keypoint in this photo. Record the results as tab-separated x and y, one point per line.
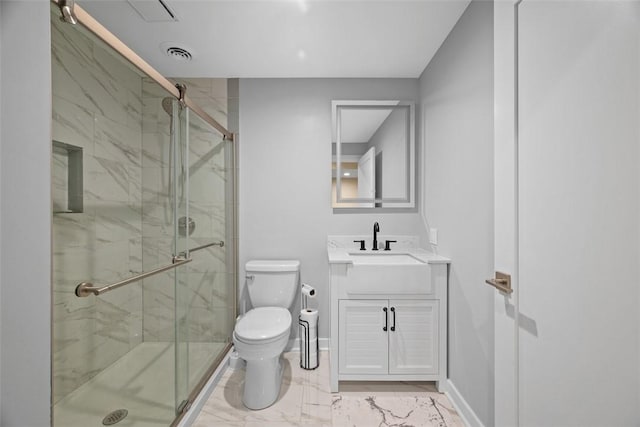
142	382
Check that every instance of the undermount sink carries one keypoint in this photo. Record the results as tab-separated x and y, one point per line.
387	273
384	258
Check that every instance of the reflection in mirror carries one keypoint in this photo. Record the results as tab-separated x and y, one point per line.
373	159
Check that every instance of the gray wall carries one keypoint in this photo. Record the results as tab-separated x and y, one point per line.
285	174
25	214
456	96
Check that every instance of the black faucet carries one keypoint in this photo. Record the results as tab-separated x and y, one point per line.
376	228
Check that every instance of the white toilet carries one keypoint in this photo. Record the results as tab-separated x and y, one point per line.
262	333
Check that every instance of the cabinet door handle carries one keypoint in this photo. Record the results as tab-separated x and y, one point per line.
393	310
386	319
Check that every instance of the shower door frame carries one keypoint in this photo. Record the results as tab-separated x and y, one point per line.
88	22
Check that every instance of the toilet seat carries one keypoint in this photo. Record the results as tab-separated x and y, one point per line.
263	325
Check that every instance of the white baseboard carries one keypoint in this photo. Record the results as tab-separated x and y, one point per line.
204	394
294	344
465	412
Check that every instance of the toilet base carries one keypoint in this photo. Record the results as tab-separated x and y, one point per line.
262	381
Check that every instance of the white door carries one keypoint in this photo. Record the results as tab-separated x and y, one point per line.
579	217
413	337
362	336
567	205
367	177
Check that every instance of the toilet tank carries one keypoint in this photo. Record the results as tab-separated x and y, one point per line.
272	283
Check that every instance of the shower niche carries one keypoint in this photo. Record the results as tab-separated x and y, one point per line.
67	178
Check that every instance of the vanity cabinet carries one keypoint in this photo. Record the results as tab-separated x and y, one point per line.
388	320
388	336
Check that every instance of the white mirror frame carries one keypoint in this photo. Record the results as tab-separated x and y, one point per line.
396	202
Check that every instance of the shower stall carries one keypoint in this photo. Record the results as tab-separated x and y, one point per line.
144	239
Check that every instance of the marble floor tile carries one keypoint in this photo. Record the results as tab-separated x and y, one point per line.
316	397
225	407
306	400
424	410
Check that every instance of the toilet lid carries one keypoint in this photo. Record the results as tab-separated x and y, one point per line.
263	323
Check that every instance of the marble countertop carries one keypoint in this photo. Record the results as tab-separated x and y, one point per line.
339	248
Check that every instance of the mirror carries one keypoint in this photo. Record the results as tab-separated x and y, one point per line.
373	154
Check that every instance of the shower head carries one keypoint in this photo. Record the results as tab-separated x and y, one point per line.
167	105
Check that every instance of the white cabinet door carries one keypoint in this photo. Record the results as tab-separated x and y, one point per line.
362	339
413	337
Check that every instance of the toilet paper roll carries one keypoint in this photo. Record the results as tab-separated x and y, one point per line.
313	345
309	361
308	291
311	316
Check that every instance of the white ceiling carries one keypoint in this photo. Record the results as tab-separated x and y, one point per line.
287	38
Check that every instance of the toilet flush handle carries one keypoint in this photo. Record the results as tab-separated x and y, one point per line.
249	277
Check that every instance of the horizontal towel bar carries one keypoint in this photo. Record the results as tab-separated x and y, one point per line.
197	248
85	289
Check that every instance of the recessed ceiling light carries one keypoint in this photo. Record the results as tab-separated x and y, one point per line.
346	174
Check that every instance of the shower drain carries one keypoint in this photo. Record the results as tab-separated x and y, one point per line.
115	417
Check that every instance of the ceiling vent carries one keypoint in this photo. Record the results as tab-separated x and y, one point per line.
179	54
153	10
177	51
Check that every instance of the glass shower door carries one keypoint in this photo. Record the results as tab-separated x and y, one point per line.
113	353
204	294
140	182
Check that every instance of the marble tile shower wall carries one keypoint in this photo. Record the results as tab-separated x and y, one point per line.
97	105
204	293
157	213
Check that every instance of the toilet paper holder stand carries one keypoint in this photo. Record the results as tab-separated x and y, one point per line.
306	292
